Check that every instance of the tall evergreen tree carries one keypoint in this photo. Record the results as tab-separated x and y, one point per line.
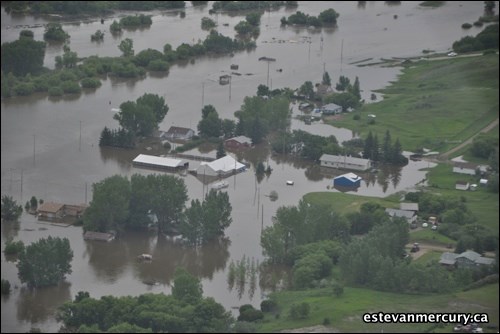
356	89
375	149
326	79
220	151
387	147
368	148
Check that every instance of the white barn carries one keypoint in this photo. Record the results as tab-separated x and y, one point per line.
220	167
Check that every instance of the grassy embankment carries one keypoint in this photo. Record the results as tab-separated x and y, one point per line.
345	312
431	103
434	104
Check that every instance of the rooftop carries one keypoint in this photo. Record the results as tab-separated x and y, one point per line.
343	159
177	131
158	161
224	164
242	140
50	207
350	176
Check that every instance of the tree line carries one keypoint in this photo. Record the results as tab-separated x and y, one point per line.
185	310
156	200
327	17
23	72
386	152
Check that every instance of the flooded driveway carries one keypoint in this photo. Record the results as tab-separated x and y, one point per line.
42	153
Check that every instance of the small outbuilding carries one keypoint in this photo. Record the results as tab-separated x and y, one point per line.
221	167
176	132
151	161
462	185
238	142
410	216
483	182
331	109
409	206
347	180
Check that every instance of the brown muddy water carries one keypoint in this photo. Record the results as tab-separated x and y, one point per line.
42	155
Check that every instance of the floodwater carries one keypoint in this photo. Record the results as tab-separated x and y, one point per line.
42	154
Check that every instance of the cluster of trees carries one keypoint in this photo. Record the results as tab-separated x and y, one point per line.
387	152
55	33
258	116
456	221
88	7
484	146
185	311
344	85
294	226
306	145
22	56
369	215
23	72
45	262
97	36
207	23
486	39
136	21
249	27
326	17
376	261
208	219
235	6
136	119
120	204
11	211
117	138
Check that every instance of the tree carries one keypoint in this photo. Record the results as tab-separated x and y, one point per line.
33	202
210	126
26	34
228	127
387	147
169	196
307	89
109	208
156	103
489	7
326	79
45	262
263	90
22	57
207	220
355	89
207	23
187	288
220	151
127	47
253	18
343	83
345	100
54	32
5	287
115	27
10	210
328	16
206	110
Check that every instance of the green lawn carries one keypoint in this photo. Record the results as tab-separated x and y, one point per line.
483	204
434	104
430	256
344	203
431	237
345	312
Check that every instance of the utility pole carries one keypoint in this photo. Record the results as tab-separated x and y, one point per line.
267	74
80	145
262	223
202	94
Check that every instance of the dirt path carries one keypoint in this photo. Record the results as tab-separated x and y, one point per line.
445	155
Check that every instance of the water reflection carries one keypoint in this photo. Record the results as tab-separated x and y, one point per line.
109	260
36	305
169	254
10	230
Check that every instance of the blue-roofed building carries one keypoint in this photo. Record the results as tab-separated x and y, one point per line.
347	180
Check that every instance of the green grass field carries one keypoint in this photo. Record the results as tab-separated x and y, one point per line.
345	312
431	237
434	104
344	203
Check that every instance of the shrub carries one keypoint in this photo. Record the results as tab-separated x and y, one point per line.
478	24
356	117
90	83
251	315
268	305
245	307
56	91
244	327
158	65
326	321
300	311
14	247
24	89
71	87
466	26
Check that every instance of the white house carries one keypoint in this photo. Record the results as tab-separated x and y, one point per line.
465	168
410	216
331	109
220	167
344	162
176	132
